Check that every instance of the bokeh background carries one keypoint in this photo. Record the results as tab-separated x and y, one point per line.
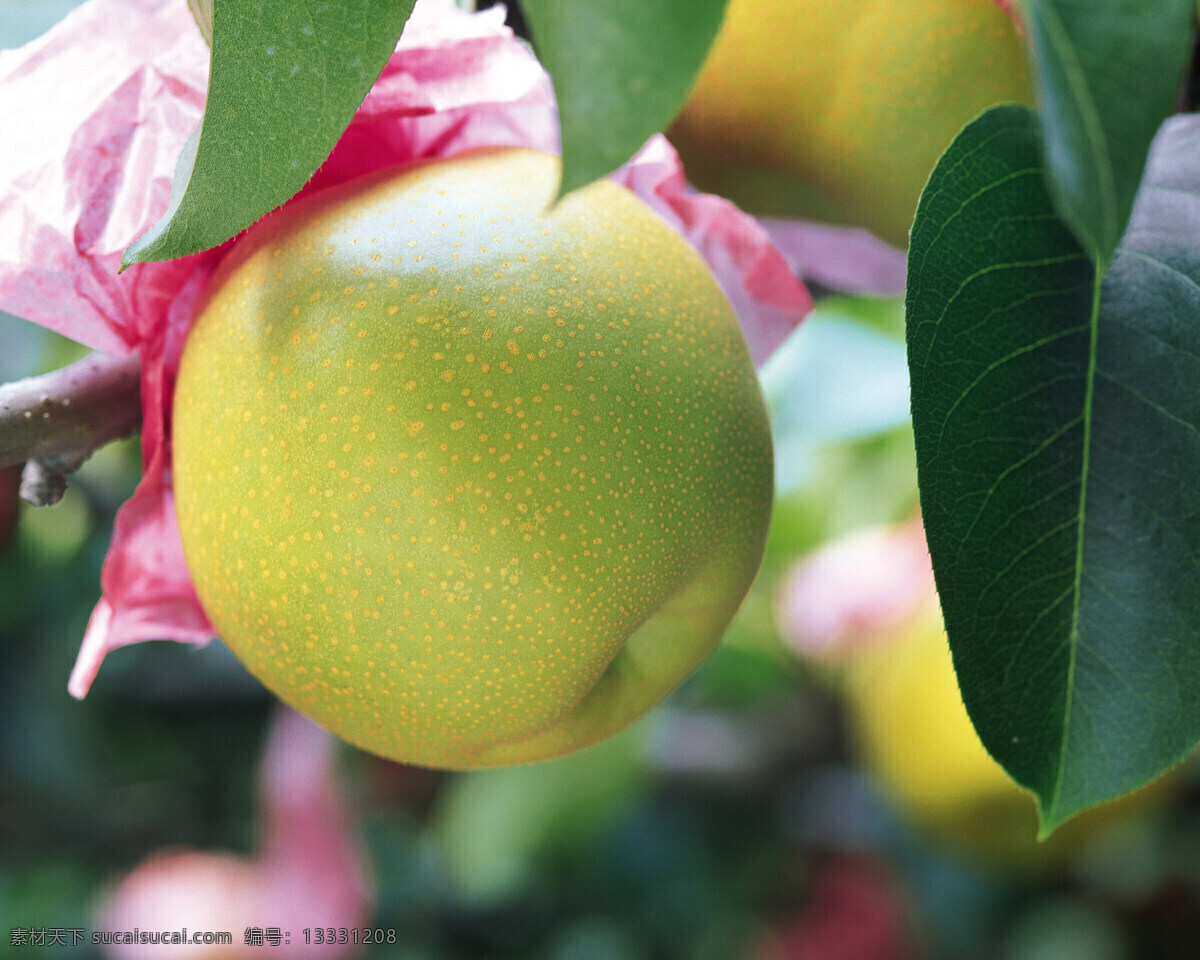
747	818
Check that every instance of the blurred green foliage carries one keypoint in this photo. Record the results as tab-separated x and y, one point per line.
703	833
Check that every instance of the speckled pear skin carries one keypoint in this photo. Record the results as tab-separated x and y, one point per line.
468	482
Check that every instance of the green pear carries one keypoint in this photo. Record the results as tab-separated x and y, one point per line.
468	479
839	109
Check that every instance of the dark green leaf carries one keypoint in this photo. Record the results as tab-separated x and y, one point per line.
286	79
1108	73
1058	454
622	69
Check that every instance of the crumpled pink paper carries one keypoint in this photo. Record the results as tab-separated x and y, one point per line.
95	113
848	259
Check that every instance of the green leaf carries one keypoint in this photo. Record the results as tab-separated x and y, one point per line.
1108	73
622	70
286	80
1057	426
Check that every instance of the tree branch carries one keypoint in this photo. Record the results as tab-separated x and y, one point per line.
54	422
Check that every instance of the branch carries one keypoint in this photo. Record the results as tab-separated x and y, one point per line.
52	423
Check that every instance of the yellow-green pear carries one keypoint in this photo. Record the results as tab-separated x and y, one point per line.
467	479
839	109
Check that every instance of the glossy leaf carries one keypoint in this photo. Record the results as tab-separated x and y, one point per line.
1108	73
1057	430
622	69
286	79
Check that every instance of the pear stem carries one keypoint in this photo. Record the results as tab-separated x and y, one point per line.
52	423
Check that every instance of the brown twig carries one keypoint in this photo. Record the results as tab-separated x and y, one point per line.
53	423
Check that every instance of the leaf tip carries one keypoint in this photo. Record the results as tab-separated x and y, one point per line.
135	252
1047	825
570	180
1054	812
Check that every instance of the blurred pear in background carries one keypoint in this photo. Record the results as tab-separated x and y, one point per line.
865	609
837	110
